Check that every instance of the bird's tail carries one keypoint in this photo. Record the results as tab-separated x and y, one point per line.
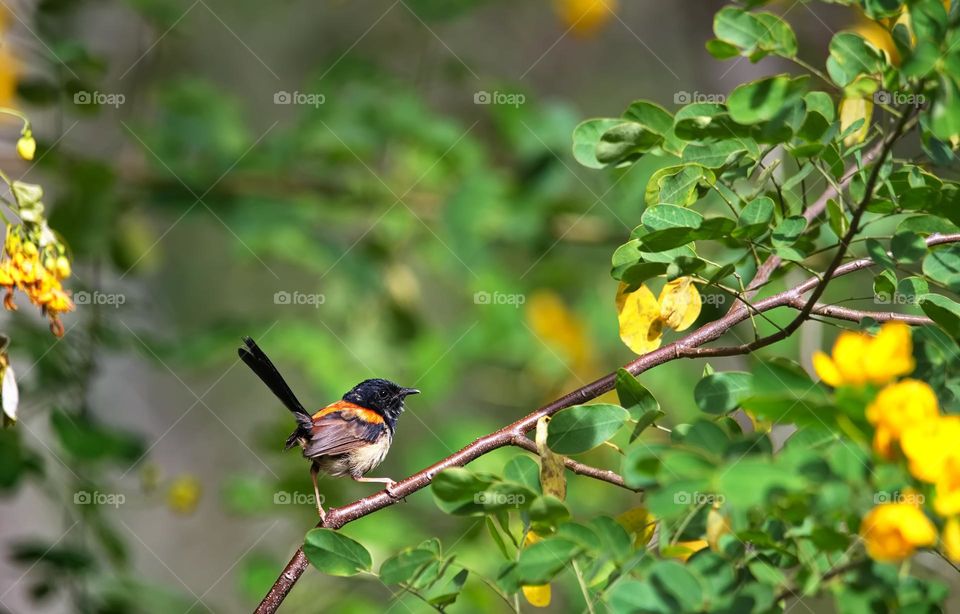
261	365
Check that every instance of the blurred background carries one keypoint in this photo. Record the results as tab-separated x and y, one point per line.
367	189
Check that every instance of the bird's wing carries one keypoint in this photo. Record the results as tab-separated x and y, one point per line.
342	427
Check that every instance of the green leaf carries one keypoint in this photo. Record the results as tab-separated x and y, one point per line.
625	142
715	155
789	230
540	562
755	217
660	217
850	56
631	595
943	311
584	427
945	109
677	185
908	246
749	481
523	470
403	567
942	265
755	34
634	397
764	99
674	579
335	554
879	254
722	391
654	117
642	464
586	137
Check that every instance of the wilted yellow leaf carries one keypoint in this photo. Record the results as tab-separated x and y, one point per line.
641	328
853	109
585	17
184	494
640	522
553	478
680	303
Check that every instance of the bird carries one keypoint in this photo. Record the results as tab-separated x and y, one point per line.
349	437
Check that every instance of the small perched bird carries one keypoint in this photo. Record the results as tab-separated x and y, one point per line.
348	437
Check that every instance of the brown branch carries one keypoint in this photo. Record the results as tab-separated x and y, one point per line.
604	475
857	315
687	347
821	286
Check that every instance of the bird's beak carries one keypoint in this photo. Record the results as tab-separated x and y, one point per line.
409	391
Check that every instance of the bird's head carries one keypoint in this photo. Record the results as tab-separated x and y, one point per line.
382	396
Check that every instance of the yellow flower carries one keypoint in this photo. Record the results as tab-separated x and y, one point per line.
897	408
947	501
585	17
852	110
951	539
892	531
929	445
184	494
858	358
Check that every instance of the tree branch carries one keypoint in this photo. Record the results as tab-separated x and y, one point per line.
687	347
604	475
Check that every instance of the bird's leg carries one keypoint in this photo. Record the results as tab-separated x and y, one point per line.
314	470
390	483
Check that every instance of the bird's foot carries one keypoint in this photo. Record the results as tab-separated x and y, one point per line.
391	490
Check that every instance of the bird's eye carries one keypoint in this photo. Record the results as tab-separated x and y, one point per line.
382	394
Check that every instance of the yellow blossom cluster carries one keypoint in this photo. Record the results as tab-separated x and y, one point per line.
907	424
36	270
